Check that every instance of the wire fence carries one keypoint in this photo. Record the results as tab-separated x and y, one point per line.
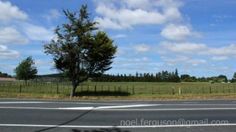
116	87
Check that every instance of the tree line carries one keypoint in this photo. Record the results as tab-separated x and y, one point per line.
163	76
4	75
188	78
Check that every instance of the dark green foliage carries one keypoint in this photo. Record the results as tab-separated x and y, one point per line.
4	75
222	78
80	50
163	76
188	78
26	69
234	78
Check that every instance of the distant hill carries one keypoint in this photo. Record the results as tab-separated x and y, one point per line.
55	75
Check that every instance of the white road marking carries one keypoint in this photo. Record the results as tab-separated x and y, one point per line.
131	107
22	102
198	104
97	126
49	102
127	106
76	108
169	109
112	108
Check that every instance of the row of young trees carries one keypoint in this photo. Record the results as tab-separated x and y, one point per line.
163	76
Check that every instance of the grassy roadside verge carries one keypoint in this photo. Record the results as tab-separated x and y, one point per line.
140	97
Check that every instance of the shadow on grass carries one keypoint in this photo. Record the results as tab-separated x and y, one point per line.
101	130
102	93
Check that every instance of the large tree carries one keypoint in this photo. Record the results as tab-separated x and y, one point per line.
80	50
26	69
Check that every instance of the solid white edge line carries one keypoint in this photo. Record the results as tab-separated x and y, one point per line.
116	109
126	106
76	108
97	126
169	109
23	102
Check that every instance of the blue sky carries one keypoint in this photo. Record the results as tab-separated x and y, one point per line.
195	36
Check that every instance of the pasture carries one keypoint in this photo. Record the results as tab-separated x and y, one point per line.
131	88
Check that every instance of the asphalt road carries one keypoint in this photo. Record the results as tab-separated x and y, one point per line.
117	116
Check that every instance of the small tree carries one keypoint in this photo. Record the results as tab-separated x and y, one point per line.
177	78
234	78
26	70
80	50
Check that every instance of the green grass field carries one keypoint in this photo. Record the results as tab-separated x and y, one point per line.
133	88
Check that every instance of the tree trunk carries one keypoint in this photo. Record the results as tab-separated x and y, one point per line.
74	86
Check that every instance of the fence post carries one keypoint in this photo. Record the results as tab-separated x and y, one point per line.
57	88
210	90
20	88
234	88
180	91
229	88
133	90
152	90
95	88
173	91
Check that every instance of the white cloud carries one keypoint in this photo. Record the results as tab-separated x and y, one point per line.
143	4
40	62
9	12
176	32
5	53
52	14
184	48
219	58
190	55
9	35
123	17
142	48
183	60
197	48
223	51
119	36
38	33
134	64
107	22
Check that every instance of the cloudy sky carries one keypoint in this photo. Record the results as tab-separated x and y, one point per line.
196	36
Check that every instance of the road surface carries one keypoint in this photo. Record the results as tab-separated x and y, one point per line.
117	116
